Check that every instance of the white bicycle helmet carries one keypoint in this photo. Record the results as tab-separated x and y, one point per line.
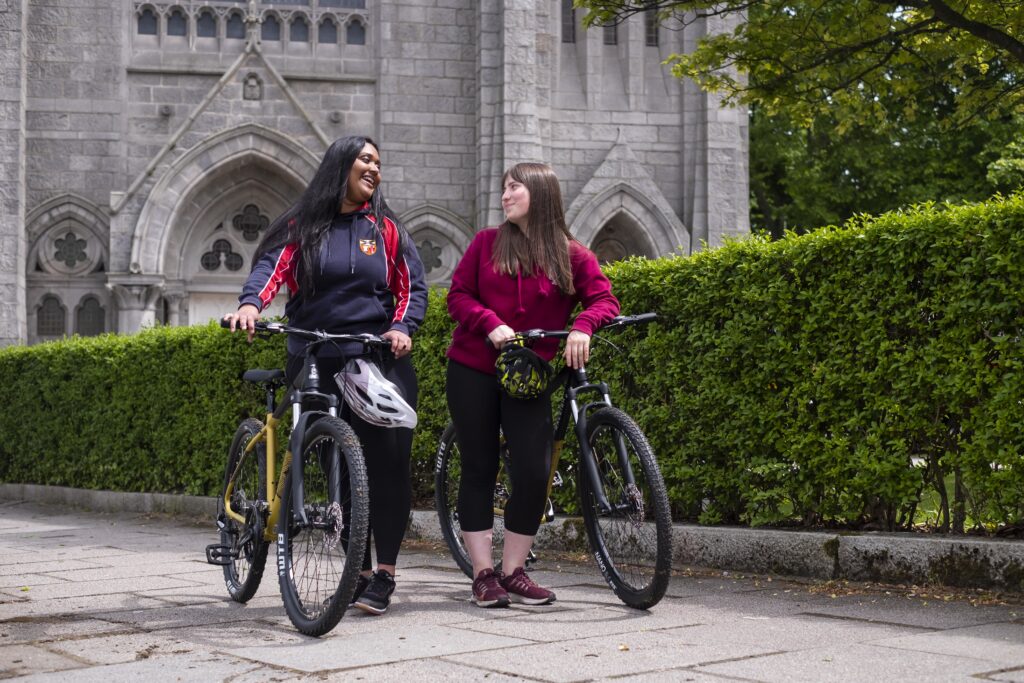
372	396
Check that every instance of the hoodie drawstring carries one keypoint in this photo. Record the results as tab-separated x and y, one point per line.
519	291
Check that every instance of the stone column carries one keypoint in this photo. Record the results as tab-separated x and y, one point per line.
509	120
13	97
136	299
176	297
715	157
490	136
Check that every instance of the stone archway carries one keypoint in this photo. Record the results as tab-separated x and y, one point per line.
441	238
651	230
619	237
208	258
225	154
67	260
246	161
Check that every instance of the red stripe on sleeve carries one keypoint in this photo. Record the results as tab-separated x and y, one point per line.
284	273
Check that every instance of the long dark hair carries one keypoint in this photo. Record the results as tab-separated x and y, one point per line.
308	220
547	244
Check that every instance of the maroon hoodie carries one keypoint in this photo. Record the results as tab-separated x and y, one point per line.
480	299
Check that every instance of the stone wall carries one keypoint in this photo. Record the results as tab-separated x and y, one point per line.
13	40
134	150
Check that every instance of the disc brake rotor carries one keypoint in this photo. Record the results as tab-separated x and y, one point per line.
334	521
637	500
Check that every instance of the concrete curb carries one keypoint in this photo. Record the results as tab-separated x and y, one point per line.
868	556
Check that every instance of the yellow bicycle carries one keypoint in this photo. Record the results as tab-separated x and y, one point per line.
318	503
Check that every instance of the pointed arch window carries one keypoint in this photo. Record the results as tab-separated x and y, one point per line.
328	32
50	321
299	32
651	28
206	25
147	23
235	27
177	24
271	28
90	319
568	22
355	33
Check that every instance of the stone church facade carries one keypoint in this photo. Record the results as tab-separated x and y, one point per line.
146	144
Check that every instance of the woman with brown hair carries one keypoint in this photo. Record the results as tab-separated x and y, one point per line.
527	273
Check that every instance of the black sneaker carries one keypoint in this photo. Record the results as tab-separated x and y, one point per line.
361	583
377	596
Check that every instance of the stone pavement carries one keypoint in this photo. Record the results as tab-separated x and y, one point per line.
88	596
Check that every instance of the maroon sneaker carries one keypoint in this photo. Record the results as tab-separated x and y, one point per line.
521	588
487	590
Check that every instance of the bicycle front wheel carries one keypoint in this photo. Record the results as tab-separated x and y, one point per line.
318	562
631	538
245	477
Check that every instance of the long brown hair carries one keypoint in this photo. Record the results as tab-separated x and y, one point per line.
547	245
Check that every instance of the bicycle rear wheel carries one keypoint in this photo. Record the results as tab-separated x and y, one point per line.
632	541
246	475
318	562
447	473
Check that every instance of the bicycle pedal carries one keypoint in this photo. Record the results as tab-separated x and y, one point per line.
221	555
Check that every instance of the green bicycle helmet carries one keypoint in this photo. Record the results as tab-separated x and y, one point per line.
521	372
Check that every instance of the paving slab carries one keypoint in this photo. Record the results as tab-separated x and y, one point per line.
848	663
360	649
612	656
101	621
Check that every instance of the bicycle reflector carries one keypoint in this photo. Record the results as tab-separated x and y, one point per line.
521	372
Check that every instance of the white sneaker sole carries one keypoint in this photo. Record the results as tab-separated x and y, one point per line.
515	597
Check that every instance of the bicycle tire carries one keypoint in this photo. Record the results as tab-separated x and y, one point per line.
447	470
632	543
318	563
247	473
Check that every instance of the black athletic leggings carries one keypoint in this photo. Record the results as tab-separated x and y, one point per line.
387	452
478	407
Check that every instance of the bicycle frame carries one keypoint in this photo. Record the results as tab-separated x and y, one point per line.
299	396
577	384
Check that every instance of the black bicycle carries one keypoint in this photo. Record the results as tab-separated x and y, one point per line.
623	500
319	504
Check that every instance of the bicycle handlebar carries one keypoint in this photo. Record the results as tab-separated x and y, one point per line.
617	321
265	327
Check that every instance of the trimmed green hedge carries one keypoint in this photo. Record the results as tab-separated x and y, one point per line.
851	376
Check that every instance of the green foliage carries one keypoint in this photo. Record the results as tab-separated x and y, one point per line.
839	377
805	177
858	106
867	63
154	411
833	377
1007	172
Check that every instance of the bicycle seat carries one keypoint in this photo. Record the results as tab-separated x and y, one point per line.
263	376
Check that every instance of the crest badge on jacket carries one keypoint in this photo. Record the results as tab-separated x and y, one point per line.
368	247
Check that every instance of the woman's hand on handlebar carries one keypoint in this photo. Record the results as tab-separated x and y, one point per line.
501	335
577	349
244	319
401	343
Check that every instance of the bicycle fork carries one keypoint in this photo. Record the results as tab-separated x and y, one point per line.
588	460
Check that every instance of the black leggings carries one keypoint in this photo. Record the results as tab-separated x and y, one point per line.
387	452
478	408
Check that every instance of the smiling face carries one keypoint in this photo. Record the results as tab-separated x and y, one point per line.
515	202
363	179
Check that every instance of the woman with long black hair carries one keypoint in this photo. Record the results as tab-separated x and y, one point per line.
351	268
